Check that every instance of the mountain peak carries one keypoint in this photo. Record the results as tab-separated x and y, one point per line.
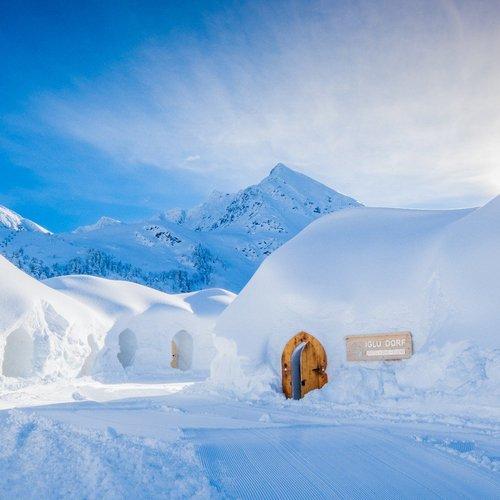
283	174
102	222
284	202
15	222
281	170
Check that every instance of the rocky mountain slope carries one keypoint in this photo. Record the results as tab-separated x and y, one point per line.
218	243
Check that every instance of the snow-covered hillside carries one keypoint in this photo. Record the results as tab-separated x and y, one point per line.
219	243
365	270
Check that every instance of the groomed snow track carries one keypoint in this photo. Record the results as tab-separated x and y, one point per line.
176	440
335	462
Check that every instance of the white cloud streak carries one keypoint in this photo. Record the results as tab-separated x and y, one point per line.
394	103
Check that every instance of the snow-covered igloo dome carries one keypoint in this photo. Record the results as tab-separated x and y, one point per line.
371	270
43	333
149	333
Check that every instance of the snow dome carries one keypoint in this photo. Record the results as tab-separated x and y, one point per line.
371	270
43	333
150	333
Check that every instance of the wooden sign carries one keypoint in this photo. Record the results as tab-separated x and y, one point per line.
379	347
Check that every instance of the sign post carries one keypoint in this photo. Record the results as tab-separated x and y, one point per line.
379	347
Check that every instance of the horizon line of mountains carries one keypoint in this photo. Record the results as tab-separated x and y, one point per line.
219	243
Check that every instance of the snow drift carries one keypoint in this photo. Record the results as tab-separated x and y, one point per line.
142	323
43	333
371	270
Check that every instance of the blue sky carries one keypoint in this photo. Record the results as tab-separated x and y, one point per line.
127	108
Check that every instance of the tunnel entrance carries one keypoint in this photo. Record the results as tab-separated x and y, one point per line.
127	342
182	351
18	354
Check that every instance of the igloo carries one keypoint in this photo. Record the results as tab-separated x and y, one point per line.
43	333
150	334
435	274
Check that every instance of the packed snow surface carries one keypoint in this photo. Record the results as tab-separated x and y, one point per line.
373	270
185	440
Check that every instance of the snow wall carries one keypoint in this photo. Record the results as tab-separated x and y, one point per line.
43	333
375	270
141	324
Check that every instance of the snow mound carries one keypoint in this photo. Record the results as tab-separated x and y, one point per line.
15	222
43	333
45	458
142	323
113	299
372	270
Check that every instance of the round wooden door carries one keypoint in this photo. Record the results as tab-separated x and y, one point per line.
312	365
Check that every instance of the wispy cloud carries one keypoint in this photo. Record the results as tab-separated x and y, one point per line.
395	103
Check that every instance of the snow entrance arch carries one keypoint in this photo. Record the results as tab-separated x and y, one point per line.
128	347
18	354
303	365
182	351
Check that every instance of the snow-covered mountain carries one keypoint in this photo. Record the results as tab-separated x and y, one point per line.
218	243
15	222
283	202
102	222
